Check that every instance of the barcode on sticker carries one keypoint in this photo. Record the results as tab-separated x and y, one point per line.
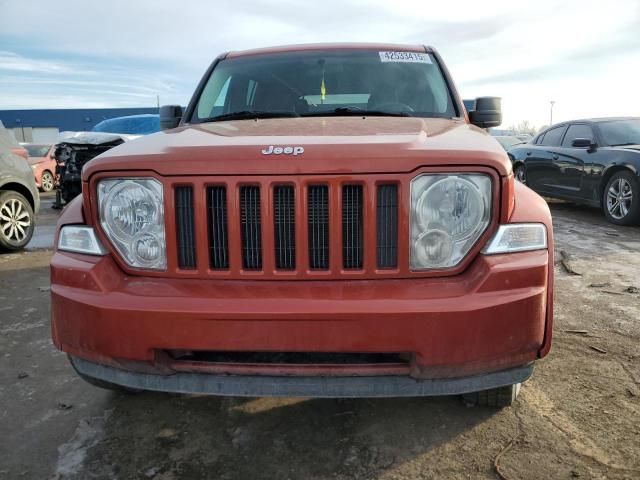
407	57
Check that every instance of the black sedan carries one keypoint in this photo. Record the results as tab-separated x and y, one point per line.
594	161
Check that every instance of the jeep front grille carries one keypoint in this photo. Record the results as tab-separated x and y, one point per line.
387	226
185	227
286	227
352	226
217	227
318	218
251	227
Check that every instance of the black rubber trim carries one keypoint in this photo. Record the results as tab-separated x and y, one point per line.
317	387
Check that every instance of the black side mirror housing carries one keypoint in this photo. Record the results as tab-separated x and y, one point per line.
170	116
487	112
582	143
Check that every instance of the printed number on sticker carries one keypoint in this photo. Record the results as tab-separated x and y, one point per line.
410	57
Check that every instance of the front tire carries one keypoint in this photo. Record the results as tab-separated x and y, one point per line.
496	397
621	199
17	221
47	182
521	174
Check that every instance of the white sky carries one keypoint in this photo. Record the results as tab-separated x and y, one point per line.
72	53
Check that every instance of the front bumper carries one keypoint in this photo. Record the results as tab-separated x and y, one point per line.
491	318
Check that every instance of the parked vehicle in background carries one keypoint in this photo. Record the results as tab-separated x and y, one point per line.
19	199
144	124
508	141
10	143
525	137
593	161
71	155
43	164
325	221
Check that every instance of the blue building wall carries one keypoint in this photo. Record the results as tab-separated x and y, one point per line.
73	119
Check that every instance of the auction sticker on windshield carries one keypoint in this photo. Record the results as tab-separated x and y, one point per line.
409	57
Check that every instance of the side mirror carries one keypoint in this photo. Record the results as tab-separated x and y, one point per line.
170	116
487	112
582	143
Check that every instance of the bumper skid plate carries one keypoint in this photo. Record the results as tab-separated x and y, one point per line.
317	386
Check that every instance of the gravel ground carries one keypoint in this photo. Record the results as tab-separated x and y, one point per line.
579	416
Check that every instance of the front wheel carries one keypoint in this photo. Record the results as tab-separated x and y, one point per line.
496	397
521	174
17	221
621	199
47	181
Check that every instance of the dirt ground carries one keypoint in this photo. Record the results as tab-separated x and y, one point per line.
578	417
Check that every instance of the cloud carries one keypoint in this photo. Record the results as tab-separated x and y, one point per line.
124	52
10	61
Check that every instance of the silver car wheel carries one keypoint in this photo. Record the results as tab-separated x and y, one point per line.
521	175
619	198
15	220
47	182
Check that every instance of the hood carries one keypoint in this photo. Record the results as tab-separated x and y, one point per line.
332	145
93	138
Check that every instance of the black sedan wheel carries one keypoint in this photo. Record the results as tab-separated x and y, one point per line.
17	221
621	199
521	174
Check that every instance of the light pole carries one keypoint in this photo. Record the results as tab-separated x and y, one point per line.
552	102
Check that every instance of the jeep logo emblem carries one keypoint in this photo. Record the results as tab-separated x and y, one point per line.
271	150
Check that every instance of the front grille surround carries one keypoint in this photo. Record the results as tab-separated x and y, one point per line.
372	266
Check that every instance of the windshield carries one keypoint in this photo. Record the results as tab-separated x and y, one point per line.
327	82
37	150
621	132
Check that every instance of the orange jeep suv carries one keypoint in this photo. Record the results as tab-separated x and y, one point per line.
320	221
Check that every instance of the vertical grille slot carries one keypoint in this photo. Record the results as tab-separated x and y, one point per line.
284	227
387	226
185	227
217	221
318	218
251	227
352	226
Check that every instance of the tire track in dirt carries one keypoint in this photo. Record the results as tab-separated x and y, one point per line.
579	440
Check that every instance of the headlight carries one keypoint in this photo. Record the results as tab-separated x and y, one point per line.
449	213
132	216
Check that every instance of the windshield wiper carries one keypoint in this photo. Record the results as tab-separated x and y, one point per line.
624	144
249	115
355	111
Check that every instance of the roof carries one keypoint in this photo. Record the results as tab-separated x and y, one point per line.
594	120
605	119
331	46
74	119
